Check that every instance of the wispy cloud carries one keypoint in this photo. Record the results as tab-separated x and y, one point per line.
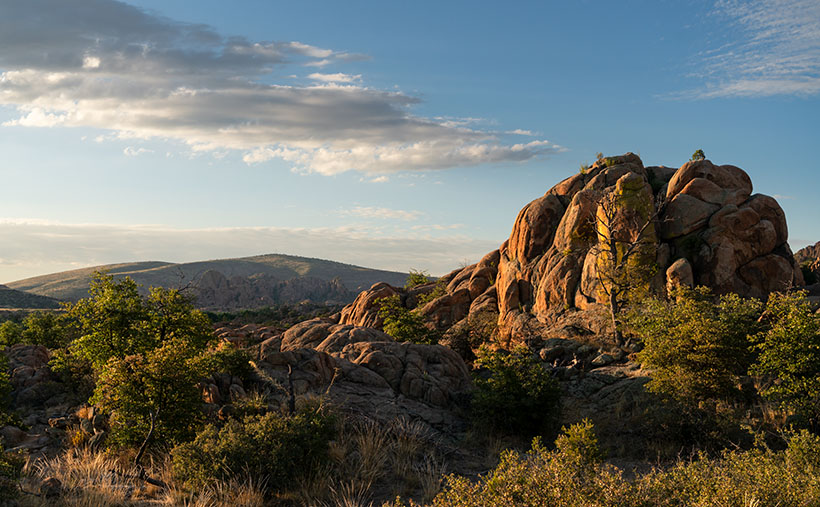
34	247
381	213
130	151
775	51
110	65
335	78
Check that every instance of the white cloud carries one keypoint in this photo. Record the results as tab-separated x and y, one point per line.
381	213
777	51
109	65
335	78
34	247
130	151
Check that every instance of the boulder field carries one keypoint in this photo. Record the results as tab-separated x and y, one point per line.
699	224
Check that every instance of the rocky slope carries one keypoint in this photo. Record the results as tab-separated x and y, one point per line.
701	223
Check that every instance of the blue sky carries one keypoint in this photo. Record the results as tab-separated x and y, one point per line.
387	134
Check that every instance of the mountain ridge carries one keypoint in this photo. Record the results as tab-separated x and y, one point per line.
73	284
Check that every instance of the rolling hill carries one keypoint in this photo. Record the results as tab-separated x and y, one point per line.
249	281
15	299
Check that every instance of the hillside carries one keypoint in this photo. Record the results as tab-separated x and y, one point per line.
15	299
244	279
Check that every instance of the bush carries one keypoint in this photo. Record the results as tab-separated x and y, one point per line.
405	325
698	155
790	355
517	396
11	468
116	321
573	476
158	386
11	333
228	358
46	328
696	345
74	371
271	447
416	278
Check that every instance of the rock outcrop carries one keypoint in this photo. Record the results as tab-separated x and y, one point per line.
216	291
706	227
364	371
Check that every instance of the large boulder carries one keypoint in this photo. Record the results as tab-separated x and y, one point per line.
708	226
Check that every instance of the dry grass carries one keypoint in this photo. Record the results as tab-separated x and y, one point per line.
98	479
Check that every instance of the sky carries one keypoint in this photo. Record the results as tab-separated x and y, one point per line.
392	135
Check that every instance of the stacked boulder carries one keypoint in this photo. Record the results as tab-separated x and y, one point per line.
707	228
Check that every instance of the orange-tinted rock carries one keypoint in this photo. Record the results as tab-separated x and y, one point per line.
364	311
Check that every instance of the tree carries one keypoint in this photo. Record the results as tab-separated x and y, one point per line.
517	396
152	395
698	155
46	328
790	354
697	345
626	246
116	321
11	333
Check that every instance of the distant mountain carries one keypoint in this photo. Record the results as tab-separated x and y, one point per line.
15	299
248	282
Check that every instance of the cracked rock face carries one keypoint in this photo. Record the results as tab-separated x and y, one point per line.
710	229
709	223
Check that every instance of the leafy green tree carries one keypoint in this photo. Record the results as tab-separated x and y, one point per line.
405	325
152	395
49	329
517	396
11	333
697	345
790	354
698	155
116	321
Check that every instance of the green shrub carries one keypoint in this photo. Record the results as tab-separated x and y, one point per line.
159	386
698	155
569	476
11	333
439	290
416	278
11	468
790	355
517	396
696	345
48	329
405	325
271	447
74	371
573	476
228	358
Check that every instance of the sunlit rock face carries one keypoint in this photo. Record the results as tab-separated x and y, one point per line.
706	227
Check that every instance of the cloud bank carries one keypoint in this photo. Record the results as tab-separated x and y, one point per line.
33	247
776	51
107	64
